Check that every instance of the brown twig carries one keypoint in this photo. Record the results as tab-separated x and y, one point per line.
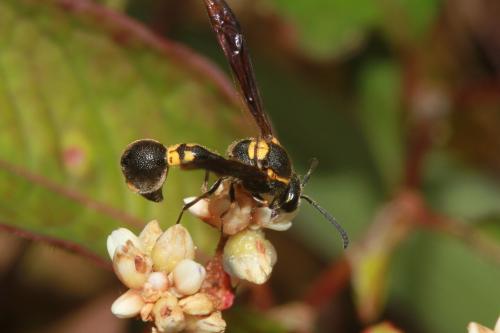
328	284
60	243
469	235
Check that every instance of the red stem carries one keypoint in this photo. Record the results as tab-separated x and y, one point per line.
328	284
60	243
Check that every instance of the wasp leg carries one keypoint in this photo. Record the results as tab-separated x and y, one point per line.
210	191
204	186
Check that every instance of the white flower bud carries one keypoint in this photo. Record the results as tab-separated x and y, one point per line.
199	209
131	266
149	235
476	328
249	256
127	305
168	315
211	324
173	245
188	276
118	238
155	285
197	305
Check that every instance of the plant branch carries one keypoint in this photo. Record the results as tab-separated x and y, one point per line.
70	194
60	243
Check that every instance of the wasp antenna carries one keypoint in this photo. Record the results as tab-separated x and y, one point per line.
313	164
330	218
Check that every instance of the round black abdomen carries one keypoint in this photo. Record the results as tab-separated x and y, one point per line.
144	166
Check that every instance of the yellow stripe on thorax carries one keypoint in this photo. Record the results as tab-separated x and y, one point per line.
262	149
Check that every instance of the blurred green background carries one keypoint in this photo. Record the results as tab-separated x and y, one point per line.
398	99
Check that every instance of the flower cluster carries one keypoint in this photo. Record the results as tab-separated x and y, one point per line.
166	284
248	255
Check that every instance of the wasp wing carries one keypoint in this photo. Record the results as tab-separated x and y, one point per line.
230	37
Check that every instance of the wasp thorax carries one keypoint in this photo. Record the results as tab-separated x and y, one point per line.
145	168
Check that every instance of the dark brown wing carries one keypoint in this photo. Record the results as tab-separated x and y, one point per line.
233	44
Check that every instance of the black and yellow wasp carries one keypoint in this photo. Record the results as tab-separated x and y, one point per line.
260	164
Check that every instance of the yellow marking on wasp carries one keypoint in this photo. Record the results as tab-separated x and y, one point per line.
272	175
275	141
173	157
188	156
262	149
132	187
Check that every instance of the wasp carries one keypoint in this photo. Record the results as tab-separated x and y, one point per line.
261	165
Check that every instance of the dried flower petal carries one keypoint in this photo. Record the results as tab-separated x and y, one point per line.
131	266
199	209
127	305
249	256
146	312
168	316
263	218
197	305
211	324
149	235
174	245
118	238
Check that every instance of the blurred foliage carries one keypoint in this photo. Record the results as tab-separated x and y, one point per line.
71	100
377	90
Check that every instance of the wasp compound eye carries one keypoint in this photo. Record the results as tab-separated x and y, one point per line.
145	168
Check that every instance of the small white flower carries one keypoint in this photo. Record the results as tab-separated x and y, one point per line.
149	235
165	282
154	287
263	219
244	212
131	266
199	209
168	315
249	256
174	245
118	238
210	324
197	305
127	305
188	276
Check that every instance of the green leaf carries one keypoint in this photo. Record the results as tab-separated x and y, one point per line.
350	198
245	320
77	84
460	192
326	28
410	20
380	118
444	284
